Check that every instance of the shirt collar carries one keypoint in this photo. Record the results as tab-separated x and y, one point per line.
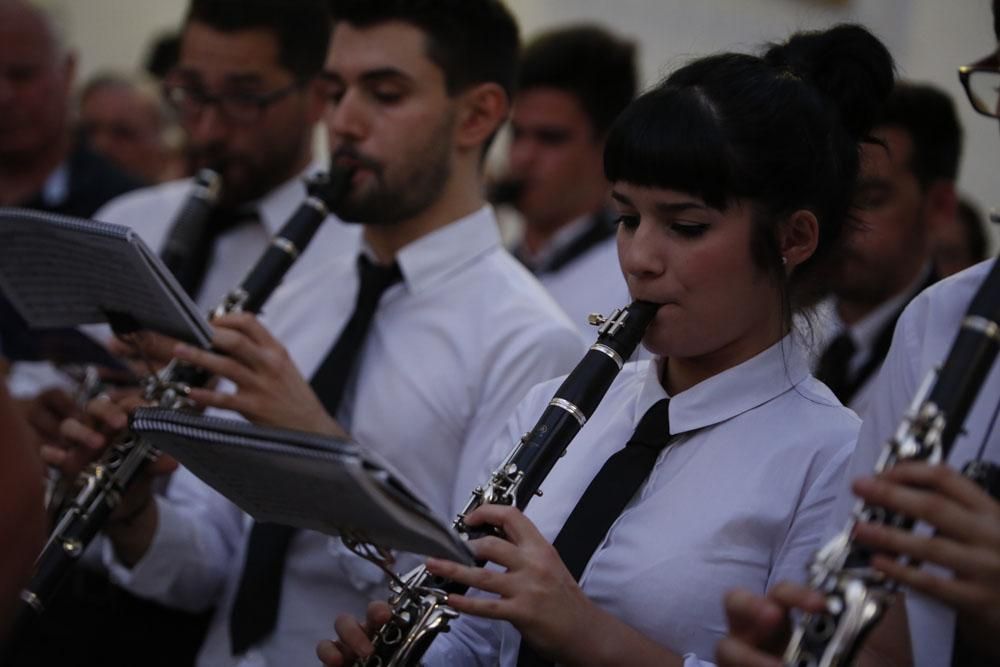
865	331
730	393
430	258
566	235
277	206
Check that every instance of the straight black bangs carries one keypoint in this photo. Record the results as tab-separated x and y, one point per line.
671	137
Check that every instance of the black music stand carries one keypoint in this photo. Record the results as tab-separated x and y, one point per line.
57	271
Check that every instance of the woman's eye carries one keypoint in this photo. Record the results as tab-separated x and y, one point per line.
689	229
628	221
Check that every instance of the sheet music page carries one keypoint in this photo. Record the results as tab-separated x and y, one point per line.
298	481
60	271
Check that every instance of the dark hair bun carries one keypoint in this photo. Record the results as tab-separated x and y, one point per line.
848	64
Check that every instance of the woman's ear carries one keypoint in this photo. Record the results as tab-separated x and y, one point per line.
482	110
798	237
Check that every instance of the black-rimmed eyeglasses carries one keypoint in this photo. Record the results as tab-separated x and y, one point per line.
242	108
981	81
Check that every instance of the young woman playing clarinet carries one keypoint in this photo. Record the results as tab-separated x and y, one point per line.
732	180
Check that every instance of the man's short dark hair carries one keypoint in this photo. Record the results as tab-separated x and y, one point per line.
927	114
588	62
472	41
302	27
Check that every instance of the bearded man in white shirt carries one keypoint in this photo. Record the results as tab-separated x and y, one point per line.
416	92
247	92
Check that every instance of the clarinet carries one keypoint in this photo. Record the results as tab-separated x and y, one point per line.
106	480
856	594
420	600
184	236
186	233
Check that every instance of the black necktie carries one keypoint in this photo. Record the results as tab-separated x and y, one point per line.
622	475
255	608
834	366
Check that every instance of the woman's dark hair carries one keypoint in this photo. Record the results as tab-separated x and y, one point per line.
782	130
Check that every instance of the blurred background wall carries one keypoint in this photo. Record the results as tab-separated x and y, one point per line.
929	39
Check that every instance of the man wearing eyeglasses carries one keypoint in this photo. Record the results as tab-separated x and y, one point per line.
247	93
948	568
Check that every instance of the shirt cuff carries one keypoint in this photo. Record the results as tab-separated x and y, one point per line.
152	575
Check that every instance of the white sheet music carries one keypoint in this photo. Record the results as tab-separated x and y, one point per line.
309	481
60	271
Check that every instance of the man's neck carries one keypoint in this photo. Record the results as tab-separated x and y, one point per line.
24	175
852	311
460	197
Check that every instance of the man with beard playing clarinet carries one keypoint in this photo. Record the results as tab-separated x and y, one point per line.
437	330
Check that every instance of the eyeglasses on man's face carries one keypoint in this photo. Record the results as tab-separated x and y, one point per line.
981	81
190	101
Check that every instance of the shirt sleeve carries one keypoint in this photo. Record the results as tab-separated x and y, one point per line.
192	551
518	364
806	532
473	640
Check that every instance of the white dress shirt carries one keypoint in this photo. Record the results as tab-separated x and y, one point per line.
739	499
924	334
450	352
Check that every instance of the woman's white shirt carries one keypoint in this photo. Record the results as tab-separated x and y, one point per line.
739	499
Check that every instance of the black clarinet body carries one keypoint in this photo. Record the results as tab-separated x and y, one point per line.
419	602
856	594
104	482
186	233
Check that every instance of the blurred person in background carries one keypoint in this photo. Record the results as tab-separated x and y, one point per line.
572	83
906	191
125	119
961	242
41	166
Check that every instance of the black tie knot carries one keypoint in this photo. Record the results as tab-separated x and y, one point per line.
375	279
653	430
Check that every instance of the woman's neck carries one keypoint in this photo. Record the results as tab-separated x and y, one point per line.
678	374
